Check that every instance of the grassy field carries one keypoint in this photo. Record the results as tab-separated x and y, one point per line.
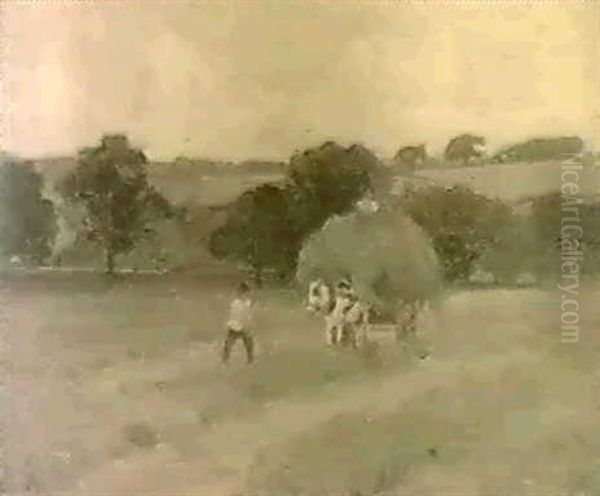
509	182
115	387
515	181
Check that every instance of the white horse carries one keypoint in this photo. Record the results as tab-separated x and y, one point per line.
346	318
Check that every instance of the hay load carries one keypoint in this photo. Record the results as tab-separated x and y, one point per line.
388	257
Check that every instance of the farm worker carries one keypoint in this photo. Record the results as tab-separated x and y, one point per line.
239	325
344	302
344	288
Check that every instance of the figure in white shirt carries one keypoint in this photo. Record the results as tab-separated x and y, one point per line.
239	325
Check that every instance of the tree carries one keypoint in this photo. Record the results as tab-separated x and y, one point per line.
27	219
260	231
515	252
460	223
332	178
538	149
534	242
111	182
465	148
265	227
565	224
410	158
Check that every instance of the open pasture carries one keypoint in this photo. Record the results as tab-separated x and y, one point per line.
115	387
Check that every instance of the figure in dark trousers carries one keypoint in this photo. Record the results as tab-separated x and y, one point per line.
239	325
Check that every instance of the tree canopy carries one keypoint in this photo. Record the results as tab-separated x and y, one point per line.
409	158
465	148
460	223
27	219
333	177
260	231
111	181
265	227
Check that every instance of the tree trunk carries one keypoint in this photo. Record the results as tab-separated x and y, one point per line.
109	261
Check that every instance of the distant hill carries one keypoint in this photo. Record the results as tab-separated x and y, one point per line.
7	157
55	169
539	149
224	167
197	181
200	184
187	180
513	182
206	182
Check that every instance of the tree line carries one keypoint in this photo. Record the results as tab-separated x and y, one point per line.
468	149
265	228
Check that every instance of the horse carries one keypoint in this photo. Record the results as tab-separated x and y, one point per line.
346	318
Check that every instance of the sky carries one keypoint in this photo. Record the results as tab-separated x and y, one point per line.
249	79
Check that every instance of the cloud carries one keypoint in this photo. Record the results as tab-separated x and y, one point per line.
261	79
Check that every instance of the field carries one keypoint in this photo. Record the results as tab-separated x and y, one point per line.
115	388
197	188
508	182
210	186
515	181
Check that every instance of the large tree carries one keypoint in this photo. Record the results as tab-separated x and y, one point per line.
461	224
111	181
465	148
332	178
265	227
27	219
261	231
410	158
565	224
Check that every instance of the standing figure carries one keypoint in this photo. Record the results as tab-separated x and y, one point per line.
407	322
345	301
239	324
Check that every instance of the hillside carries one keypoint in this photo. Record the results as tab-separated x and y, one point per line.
513	182
188	180
201	184
189	184
213	182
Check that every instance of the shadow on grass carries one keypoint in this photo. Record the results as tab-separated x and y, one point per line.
498	438
239	389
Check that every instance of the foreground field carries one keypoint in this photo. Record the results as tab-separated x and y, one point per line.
116	388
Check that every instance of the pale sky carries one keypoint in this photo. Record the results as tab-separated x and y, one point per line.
261	79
